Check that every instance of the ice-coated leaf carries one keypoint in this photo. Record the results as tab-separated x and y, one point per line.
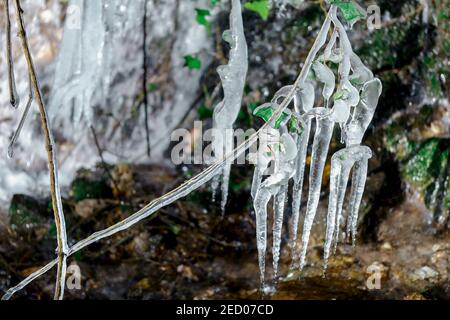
325	76
364	111
266	111
351	11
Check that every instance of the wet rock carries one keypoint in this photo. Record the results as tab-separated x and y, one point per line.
424	273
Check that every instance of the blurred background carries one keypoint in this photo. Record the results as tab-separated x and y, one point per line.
118	84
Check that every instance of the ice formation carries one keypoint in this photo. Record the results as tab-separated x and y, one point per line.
226	112
354	100
283	148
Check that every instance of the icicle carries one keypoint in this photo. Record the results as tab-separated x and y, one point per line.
233	77
322	138
358	184
279	203
262	198
22	121
307	97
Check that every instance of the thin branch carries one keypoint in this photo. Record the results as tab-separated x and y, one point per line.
144	78
104	164
51	155
22	120
13	97
194	183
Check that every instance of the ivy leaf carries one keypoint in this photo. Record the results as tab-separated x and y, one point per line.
267	112
192	62
201	18
261	7
350	10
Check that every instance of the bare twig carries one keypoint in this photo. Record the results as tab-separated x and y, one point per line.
144	77
51	155
104	164
13	98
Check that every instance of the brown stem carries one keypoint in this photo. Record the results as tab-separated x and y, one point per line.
51	155
13	98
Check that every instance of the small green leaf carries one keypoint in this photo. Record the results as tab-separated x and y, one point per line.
204	112
293	125
201	18
192	62
351	11
151	87
267	112
261	7
214	2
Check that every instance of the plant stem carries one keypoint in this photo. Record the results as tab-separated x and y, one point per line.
52	161
13	98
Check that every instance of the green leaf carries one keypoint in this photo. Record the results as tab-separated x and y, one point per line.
214	2
293	126
201	18
151	87
267	112
350	10
261	7
192	62
204	112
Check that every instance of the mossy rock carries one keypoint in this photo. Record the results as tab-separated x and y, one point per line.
26	211
90	185
394	46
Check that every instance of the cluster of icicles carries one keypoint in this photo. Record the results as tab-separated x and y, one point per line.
282	155
283	147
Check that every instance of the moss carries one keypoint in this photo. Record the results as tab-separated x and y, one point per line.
88	186
419	170
393	46
25	211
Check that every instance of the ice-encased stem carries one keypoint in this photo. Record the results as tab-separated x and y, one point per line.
279	203
195	182
322	138
22	122
52	161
